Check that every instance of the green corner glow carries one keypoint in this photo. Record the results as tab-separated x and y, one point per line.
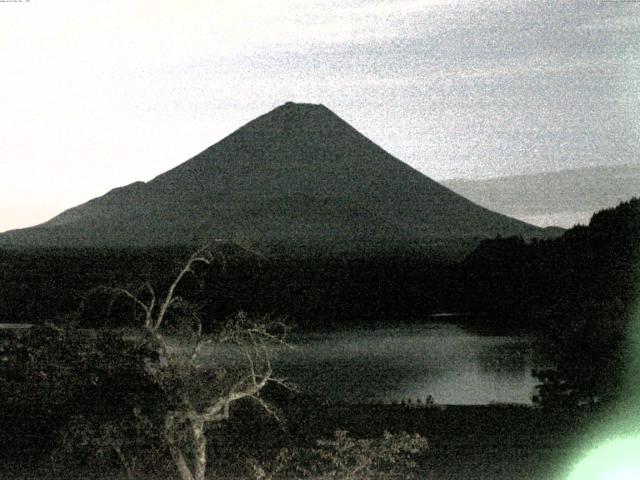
615	460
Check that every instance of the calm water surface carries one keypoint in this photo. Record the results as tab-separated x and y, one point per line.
448	362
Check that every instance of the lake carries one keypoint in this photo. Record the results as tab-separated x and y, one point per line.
448	362
452	364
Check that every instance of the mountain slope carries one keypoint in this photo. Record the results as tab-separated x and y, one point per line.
298	175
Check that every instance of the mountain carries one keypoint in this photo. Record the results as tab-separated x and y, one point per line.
296	176
564	198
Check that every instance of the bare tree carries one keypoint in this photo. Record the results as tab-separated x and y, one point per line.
201	381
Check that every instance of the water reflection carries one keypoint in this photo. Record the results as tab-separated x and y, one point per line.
444	361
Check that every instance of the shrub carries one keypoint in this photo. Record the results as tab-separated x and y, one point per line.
392	456
68	390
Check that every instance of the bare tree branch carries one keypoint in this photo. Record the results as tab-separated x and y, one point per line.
197	257
180	374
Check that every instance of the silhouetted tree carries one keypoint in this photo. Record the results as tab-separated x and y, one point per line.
197	392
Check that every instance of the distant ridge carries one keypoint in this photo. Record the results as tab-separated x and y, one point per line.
296	176
563	198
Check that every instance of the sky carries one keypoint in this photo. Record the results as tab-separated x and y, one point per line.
95	95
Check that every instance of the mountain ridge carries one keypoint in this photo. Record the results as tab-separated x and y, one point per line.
564	197
297	174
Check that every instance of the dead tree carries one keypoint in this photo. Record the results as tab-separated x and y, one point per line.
203	373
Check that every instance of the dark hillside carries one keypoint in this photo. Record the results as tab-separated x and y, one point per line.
589	268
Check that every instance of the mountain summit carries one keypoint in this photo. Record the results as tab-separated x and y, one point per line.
296	176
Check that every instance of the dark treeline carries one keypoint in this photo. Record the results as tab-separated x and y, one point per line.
311	292
578	290
590	268
517	284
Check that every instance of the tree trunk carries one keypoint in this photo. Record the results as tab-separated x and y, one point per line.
176	454
125	463
180	463
200	444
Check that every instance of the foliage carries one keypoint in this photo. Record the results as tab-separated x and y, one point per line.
589	364
65	388
589	268
391	456
577	290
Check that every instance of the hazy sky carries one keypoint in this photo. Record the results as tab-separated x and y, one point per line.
98	94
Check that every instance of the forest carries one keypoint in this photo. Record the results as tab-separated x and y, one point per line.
588	269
